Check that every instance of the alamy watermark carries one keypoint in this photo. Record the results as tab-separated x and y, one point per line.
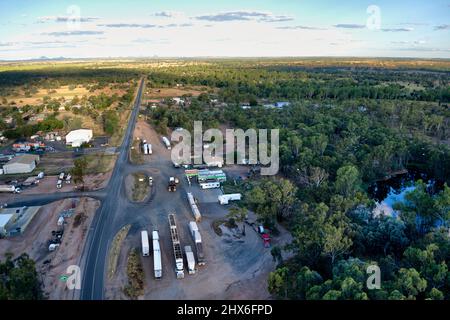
374	20
74	17
241	147
72	278
374	280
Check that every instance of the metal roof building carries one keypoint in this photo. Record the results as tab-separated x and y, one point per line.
21	164
76	138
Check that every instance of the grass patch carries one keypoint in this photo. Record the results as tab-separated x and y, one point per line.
100	163
136	156
216	226
135	272
114	251
117	138
140	188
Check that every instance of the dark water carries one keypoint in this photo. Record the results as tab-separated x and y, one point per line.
380	190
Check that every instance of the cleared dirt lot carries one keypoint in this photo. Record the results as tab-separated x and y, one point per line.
52	265
61	92
158	93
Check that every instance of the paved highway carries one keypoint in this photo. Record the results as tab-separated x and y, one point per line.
102	231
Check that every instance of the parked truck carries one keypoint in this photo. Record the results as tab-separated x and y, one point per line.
194	207
12	189
172	186
157	265
226	198
193	228
149	148
144	147
178	255
30	181
166	143
144	242
190	259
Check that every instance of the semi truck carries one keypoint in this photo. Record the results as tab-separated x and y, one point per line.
226	198
144	242
190	259
178	255
193	228
166	143
6	188
194	207
157	265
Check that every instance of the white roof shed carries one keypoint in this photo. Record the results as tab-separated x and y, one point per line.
77	137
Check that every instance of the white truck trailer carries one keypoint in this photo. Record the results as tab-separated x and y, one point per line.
166	143
190	259
144	148
157	265
144	242
147	148
194	207
226	198
12	189
210	185
193	228
179	266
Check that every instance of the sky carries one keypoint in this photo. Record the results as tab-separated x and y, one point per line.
31	29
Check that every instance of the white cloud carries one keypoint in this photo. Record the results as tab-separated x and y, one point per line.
244	16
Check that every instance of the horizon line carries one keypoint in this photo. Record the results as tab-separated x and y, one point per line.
219	57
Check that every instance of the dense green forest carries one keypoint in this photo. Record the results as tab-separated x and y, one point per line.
345	130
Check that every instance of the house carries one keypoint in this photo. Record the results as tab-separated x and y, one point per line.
21	164
9	120
76	138
178	101
37	118
282	104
